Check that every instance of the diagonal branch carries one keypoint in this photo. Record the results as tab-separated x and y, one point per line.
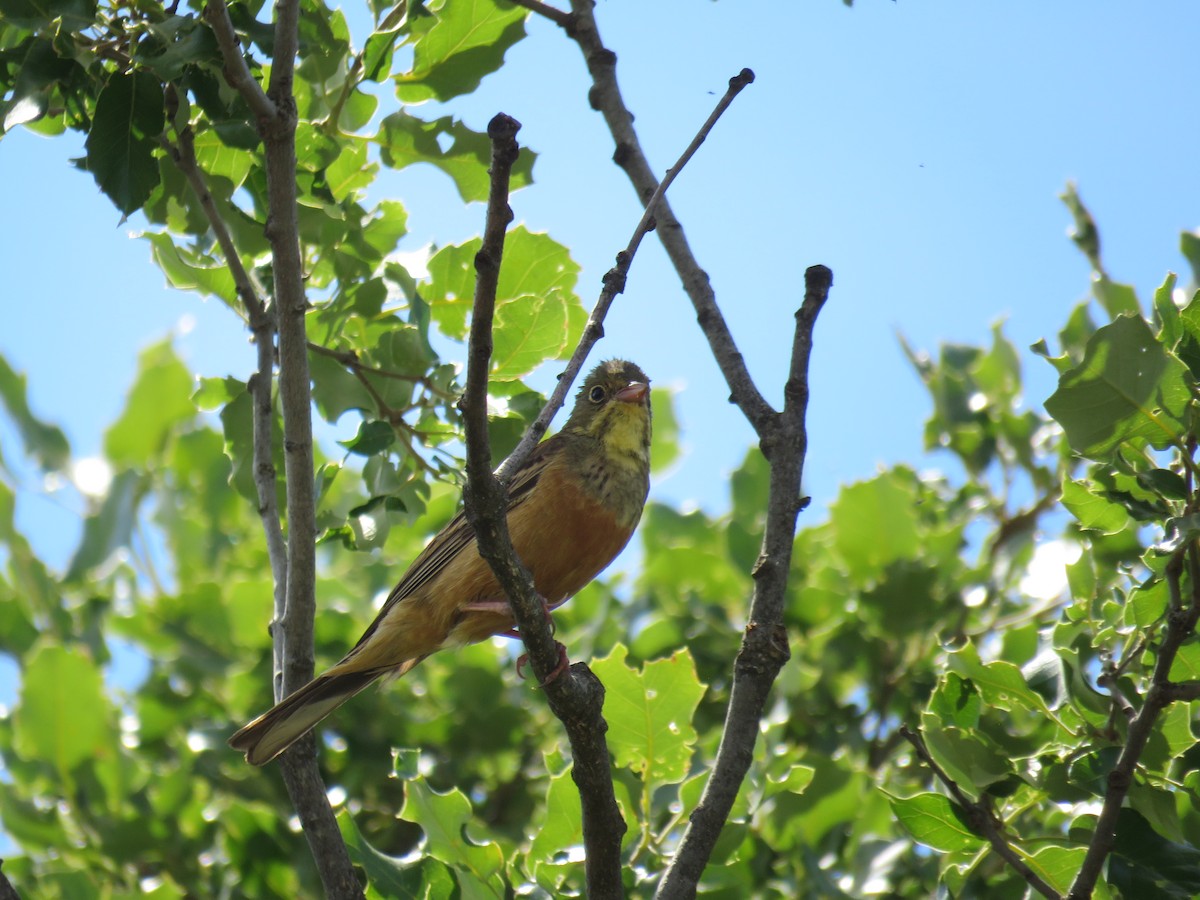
577	697
7	891
237	73
980	817
614	283
1180	625
262	327
605	96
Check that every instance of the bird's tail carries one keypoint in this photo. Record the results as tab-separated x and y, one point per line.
293	716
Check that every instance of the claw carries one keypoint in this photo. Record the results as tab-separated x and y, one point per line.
564	663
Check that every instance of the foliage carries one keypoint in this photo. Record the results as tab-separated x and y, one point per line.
914	604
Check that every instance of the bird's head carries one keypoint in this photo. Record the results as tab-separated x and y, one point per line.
613	406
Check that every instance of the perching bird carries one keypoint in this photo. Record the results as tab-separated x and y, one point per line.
572	507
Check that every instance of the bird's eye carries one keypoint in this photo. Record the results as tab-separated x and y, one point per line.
597	394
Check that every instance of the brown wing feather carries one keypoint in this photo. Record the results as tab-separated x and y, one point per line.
458	536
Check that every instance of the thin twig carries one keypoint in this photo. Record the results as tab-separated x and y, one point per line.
980	817
183	154
262	327
557	16
576	697
614	283
605	96
237	73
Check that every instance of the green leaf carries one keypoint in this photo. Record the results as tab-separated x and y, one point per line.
1186	665
192	270
467	42
63	717
350	172
1094	512
875	523
664	446
1189	246
562	826
120	144
1000	683
46	442
956	702
1145	864
444	819
650	713
934	821
110	528
158	402
387	875
1057	865
969	758
373	437
405	140
1128	387
39	14
538	315
1147	603
1085	234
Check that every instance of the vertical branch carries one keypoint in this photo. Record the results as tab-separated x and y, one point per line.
782	439
764	648
293	631
577	697
262	327
605	96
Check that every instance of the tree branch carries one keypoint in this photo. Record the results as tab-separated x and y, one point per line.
1180	625
980	817
614	283
557	16
237	73
764	649
292	627
7	891
577	697
605	96
262	327
781	436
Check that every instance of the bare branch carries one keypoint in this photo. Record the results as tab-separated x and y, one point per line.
605	96
980	817
183	154
1179	626
295	598
262	326
614	283
237	73
557	16
764	649
577	697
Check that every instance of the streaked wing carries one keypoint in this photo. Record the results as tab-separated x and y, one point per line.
458	535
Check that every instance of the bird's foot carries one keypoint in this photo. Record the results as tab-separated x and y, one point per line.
564	663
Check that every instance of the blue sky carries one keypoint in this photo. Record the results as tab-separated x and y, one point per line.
917	151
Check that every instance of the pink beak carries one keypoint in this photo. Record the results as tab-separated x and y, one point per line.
635	392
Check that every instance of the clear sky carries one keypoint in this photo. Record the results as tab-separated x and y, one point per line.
915	148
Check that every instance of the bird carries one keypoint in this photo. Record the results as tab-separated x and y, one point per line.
572	507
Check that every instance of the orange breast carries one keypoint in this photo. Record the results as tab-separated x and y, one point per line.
563	535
